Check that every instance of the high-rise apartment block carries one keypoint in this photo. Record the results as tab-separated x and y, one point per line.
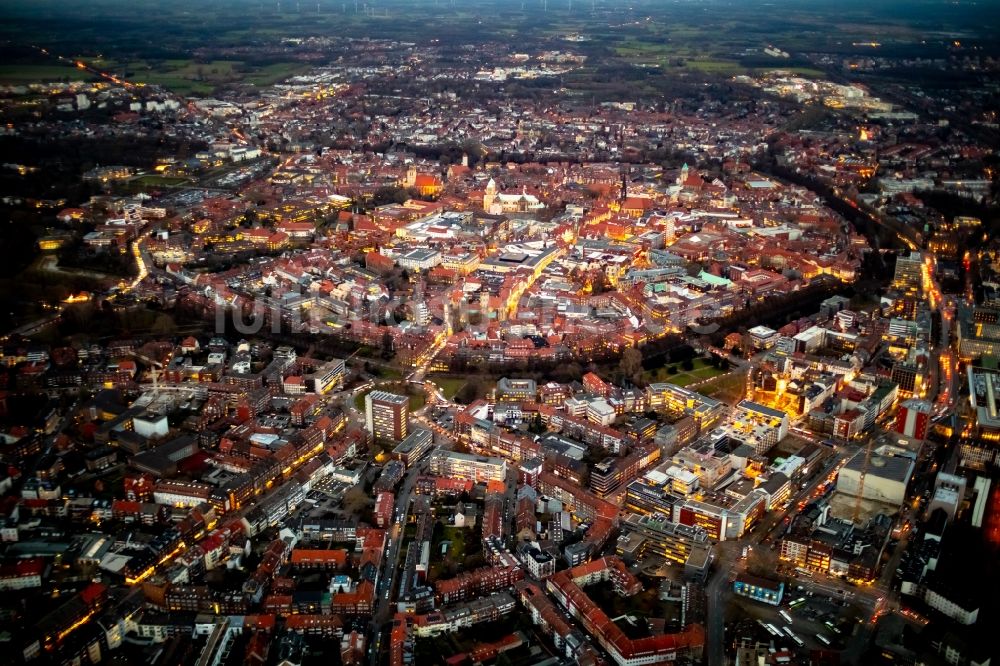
387	416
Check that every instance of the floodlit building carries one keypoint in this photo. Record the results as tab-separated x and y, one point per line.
758	425
457	465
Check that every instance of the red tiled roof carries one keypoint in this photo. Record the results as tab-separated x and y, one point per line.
306	622
424	180
23	568
597	623
336	557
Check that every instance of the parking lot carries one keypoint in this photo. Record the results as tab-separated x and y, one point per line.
443	417
822	616
815	618
322	501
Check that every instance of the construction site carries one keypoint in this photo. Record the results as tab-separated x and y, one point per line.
844	531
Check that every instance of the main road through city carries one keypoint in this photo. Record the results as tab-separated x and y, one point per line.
728	561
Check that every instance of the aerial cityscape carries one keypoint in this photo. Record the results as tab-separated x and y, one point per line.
514	332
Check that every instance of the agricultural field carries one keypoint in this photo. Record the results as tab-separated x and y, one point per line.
195	77
41	73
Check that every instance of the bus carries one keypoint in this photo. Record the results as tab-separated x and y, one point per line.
785	616
774	630
768	628
800	600
823	639
798	641
832	627
804	572
788	630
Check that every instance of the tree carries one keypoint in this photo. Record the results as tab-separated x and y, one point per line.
355	500
79	315
567	372
681	352
469	391
164	325
600	283
387	345
455	317
687	365
537	427
631	365
56	293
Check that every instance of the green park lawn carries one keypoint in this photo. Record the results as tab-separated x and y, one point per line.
417	398
386	372
702	370
728	389
450	386
455	535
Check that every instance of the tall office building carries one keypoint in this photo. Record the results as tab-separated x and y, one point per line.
909	274
387	416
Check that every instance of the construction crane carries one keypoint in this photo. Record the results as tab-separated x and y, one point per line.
861	480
